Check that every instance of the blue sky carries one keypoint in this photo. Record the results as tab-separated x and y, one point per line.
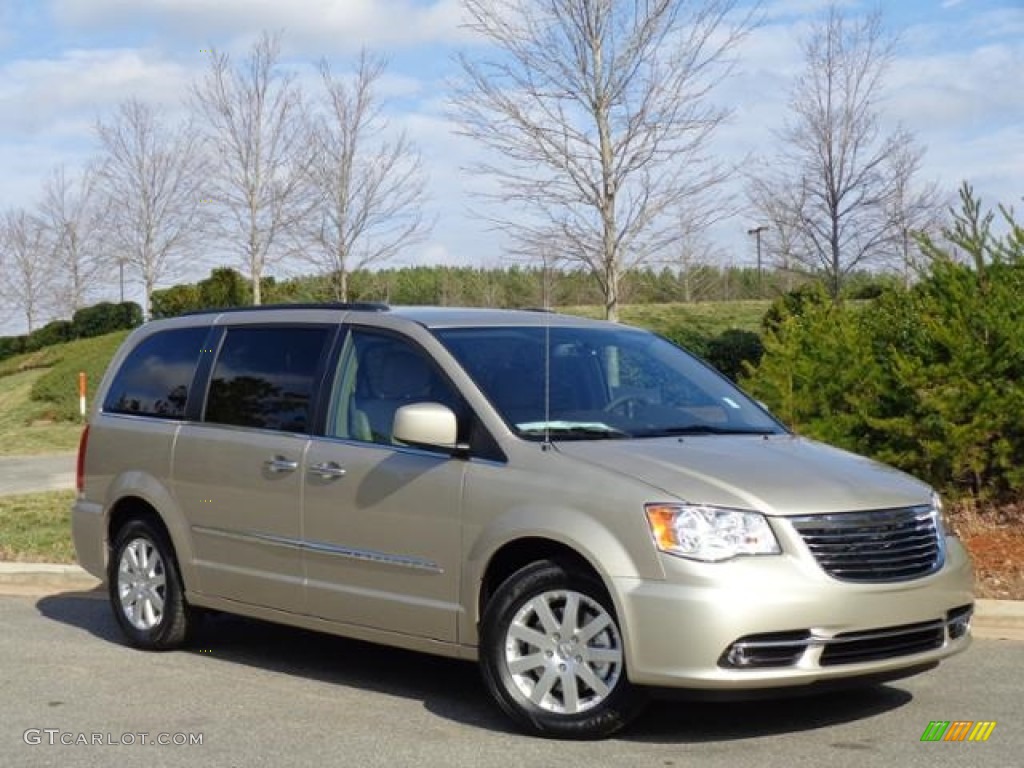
956	83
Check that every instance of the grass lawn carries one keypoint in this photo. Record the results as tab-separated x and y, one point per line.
36	527
709	318
39	394
24	429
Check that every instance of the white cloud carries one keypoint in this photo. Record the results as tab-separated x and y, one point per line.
333	25
49	95
959	92
782	9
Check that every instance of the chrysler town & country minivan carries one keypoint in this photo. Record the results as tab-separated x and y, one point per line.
587	510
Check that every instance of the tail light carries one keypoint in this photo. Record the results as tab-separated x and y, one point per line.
83	441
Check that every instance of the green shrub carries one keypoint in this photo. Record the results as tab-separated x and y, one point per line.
732	351
171	302
55	332
11	346
105	317
793	304
225	288
929	378
689	338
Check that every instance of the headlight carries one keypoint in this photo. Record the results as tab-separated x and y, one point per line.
709	533
942	523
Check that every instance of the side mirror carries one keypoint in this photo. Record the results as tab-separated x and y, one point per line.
426	425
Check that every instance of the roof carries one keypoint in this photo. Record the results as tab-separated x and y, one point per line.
467	317
430	317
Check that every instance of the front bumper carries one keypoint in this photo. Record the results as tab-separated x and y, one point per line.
702	626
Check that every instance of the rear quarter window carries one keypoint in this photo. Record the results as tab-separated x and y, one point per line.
155	377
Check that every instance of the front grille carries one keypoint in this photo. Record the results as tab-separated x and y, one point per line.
882	546
855	647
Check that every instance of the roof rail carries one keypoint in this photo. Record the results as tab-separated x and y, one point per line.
361	306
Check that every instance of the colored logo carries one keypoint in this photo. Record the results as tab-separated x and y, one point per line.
958	730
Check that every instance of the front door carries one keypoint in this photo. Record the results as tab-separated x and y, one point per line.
382	521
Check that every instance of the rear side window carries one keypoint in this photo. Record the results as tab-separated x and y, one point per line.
155	377
265	377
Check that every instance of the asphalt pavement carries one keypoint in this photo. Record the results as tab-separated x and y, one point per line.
256	694
29	474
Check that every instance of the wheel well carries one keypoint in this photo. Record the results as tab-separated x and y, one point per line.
132	508
517	554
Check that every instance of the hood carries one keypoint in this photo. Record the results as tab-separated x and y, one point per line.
774	474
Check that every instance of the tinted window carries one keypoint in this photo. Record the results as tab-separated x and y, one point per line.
155	377
265	377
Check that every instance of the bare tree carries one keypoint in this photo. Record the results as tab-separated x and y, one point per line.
26	266
538	247
150	178
599	115
71	213
913	210
833	190
781	237
254	127
369	183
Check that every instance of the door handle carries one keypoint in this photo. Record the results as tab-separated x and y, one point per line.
280	464
327	469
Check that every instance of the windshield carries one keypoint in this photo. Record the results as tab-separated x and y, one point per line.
603	383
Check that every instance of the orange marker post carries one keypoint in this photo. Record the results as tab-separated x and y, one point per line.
81	393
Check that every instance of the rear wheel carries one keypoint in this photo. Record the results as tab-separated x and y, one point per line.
552	654
145	588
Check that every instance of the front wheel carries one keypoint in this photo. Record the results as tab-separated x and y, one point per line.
145	588
552	656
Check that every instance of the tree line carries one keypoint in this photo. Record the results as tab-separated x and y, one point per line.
512	287
595	120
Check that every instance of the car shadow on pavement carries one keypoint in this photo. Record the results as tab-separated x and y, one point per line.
694	723
453	690
86	609
449	688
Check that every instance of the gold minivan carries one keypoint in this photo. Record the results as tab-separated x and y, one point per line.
590	512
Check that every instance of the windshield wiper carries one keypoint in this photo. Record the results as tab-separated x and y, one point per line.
708	429
589	429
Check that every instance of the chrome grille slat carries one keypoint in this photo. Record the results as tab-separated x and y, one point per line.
884	565
878	546
865	537
896	549
838	533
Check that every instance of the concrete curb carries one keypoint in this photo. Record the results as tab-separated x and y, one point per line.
46	575
993	619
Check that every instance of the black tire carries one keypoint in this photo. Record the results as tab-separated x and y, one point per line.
581	680
153	614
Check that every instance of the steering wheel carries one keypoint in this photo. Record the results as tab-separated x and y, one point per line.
629	400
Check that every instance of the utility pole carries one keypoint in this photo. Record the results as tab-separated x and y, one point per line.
756	232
